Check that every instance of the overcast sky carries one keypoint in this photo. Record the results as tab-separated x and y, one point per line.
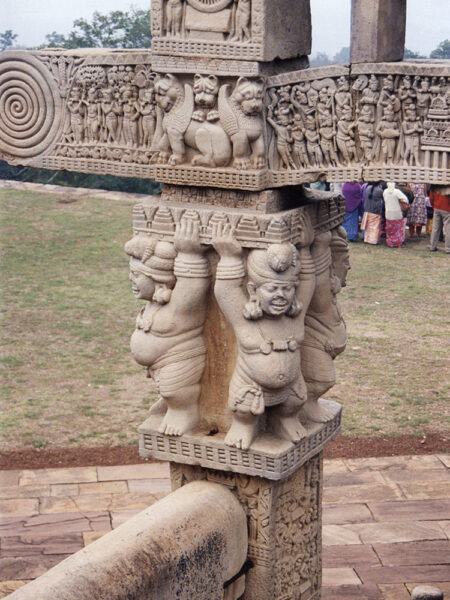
428	21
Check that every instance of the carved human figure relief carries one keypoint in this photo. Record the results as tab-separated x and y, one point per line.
174	17
325	331
168	340
241	21
389	132
110	111
410	138
283	133
265	319
76	108
366	131
148	116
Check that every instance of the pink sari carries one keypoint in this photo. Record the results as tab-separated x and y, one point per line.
395	233
371	224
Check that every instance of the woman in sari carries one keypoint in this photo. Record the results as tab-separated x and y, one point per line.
352	193
395	222
417	213
373	213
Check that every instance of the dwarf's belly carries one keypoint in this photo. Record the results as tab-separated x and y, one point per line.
148	348
274	370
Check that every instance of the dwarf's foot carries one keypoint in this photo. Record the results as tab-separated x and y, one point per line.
288	428
242	434
159	407
313	411
179	421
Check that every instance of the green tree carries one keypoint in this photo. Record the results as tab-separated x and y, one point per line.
319	60
411	54
442	51
117	29
343	56
7	39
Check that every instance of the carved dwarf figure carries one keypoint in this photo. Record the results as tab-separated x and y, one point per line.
267	373
168	339
325	331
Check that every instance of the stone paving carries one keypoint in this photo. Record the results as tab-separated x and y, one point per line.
386	525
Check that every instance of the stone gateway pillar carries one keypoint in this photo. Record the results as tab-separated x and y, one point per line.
241	324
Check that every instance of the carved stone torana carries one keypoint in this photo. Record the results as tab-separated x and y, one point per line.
284	528
232	29
203	124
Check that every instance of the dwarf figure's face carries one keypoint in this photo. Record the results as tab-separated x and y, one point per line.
143	286
275	298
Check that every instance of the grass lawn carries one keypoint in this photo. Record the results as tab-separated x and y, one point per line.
68	313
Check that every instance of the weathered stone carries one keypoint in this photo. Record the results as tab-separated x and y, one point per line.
284	525
146	559
378	30
426	592
260	30
232	124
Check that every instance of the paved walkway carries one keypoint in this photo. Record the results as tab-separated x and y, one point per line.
386	520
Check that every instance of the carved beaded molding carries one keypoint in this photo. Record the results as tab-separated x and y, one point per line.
109	112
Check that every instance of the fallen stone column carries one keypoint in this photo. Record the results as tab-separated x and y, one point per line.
185	546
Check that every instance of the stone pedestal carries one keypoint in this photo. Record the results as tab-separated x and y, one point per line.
284	528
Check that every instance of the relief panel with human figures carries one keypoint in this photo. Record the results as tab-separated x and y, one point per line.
111	113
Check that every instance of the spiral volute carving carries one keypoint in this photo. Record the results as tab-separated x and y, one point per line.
30	105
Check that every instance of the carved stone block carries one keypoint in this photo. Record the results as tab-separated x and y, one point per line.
378	30
260	30
284	520
202	124
269	456
241	325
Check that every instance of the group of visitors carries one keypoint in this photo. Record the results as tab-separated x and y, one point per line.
386	209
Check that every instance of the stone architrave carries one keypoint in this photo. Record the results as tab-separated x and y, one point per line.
223	123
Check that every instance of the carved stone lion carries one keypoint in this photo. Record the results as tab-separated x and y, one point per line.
241	115
189	120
